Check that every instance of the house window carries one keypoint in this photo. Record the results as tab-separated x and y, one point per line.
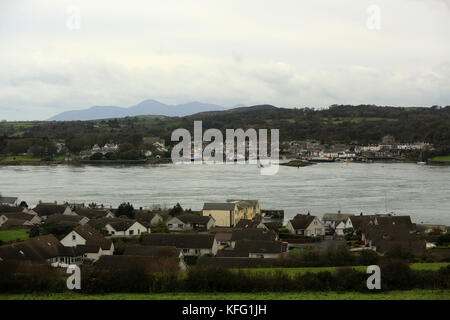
74	237
131	231
180	226
259	255
185	250
139	231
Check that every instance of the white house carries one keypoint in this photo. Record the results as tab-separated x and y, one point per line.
190	244
89	242
187	222
306	225
126	228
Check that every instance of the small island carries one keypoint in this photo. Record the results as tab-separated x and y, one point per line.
297	163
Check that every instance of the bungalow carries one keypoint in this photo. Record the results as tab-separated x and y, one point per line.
334	219
89	242
47	209
95	213
157	252
19	219
12	209
226	214
41	249
147	217
306	225
246	224
384	238
188	222
125	228
256	249
9	201
255	234
66	220
190	244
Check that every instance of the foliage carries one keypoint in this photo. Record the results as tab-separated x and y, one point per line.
176	210
160	227
125	209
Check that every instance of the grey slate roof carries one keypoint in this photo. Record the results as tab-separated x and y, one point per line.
152	251
253	234
46	209
225	206
181	241
194	218
301	221
93	237
8	200
9	209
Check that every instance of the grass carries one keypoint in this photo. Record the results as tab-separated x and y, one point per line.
294	271
21	158
13	159
392	295
441	158
11	235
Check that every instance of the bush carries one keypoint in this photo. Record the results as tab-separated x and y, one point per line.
368	257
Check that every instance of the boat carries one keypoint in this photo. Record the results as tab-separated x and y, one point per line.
420	160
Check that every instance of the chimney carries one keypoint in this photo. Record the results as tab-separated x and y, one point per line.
40	201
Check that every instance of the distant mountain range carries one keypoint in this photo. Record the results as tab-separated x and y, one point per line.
147	107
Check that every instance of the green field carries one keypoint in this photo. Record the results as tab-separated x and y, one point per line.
392	295
294	271
13	159
11	235
441	158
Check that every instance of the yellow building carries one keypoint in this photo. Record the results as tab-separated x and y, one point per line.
247	209
225	213
228	214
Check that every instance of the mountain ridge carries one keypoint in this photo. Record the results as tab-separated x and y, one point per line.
145	107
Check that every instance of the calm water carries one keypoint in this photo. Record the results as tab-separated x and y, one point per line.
420	191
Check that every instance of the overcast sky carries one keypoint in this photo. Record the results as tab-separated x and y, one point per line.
288	53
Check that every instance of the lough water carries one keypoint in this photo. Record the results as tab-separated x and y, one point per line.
405	189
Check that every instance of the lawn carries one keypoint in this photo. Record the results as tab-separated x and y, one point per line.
441	158
21	158
293	271
10	159
392	295
11	235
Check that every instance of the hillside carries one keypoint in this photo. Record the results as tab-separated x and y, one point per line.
338	124
146	107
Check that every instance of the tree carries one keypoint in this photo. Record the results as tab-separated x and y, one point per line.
96	156
126	209
176	210
161	227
